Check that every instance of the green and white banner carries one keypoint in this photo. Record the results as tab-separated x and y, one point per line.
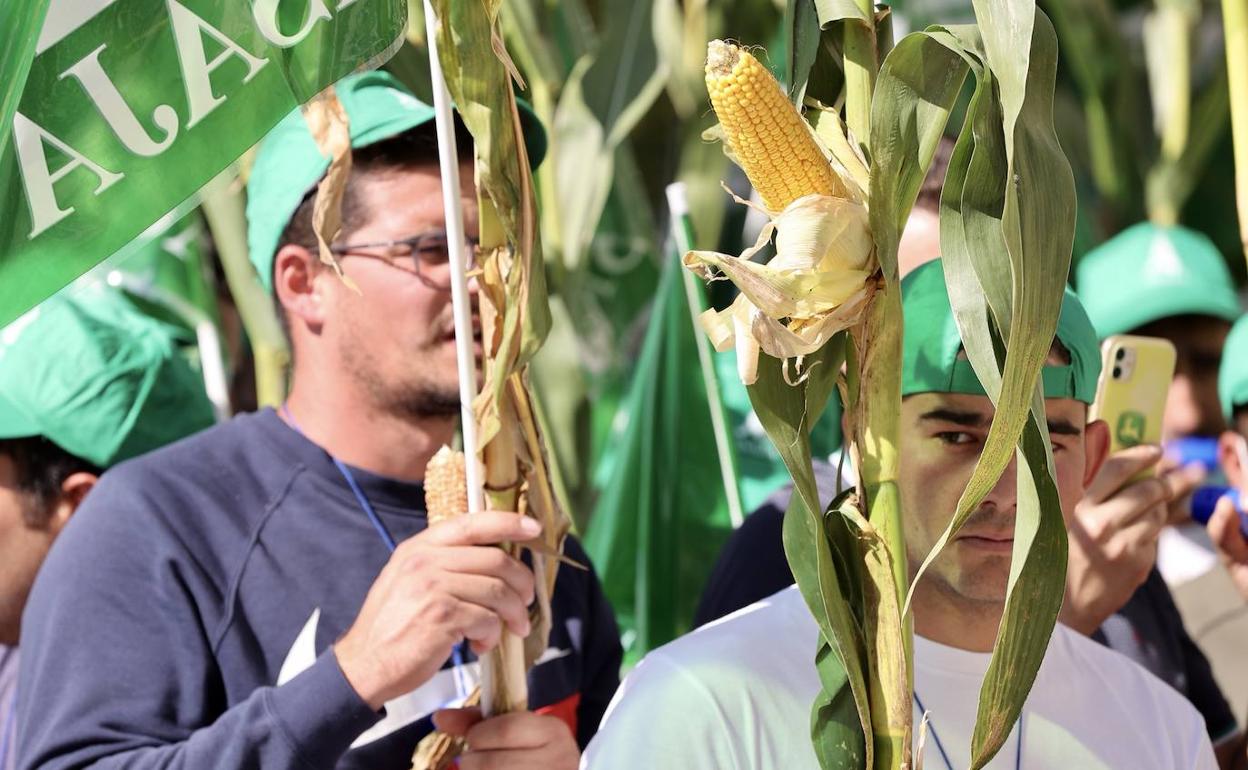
131	106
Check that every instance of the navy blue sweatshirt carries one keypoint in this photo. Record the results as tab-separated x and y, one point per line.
185	616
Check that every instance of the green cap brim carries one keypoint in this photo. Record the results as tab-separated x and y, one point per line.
14	422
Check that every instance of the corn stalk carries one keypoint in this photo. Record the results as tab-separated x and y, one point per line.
1235	26
514	314
224	210
1005	266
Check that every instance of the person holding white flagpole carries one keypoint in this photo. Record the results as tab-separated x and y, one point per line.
269	594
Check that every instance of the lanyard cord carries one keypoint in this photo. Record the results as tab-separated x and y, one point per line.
931	728
457	654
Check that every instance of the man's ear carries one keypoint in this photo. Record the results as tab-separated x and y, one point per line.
73	491
294	283
1095	449
1229	459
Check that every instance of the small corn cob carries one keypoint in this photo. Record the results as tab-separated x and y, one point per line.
765	131
437	751
446	493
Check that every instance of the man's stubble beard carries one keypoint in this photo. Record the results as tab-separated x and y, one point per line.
978	590
411	395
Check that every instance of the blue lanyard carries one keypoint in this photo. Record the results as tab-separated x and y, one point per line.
8	730
931	728
457	654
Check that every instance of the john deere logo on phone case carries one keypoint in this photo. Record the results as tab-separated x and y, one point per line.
1130	430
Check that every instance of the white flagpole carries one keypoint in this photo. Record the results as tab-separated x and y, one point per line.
448	160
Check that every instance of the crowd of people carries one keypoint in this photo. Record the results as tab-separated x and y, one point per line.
267	593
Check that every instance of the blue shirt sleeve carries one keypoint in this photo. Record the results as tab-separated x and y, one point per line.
118	668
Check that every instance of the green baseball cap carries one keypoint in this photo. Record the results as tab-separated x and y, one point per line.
932	360
101	380
289	165
1233	373
1148	272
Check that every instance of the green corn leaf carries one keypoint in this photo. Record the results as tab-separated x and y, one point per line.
605	96
825	559
801	21
837	723
1095	53
1007	153
1008	135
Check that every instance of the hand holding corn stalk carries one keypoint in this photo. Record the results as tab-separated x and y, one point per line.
831	295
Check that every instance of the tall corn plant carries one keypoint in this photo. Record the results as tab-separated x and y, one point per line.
1235	24
515	317
831	298
1187	108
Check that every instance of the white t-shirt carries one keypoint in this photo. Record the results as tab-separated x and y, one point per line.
737	694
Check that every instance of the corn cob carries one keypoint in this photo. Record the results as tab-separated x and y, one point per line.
765	131
437	750
446	493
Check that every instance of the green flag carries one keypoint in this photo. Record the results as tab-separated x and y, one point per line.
167	272
129	108
20	21
662	513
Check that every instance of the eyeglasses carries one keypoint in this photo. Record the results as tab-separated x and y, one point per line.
426	255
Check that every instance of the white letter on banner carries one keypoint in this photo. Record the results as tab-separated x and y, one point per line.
38	179
117	113
265	13
188	31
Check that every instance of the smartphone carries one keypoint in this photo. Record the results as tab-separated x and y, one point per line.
1131	394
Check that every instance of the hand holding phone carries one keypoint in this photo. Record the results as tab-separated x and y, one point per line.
1131	393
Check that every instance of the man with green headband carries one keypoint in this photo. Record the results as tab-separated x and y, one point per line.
291	606
86	381
737	693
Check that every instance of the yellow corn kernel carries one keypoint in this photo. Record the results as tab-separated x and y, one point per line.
446	493
765	131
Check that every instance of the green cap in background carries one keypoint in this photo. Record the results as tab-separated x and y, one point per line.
289	165
93	375
1147	272
930	351
1233	373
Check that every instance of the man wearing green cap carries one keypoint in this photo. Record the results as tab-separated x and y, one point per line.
1227	527
1168	282
86	381
743	685
296	609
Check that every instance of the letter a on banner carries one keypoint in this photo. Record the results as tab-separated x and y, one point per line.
109	101
265	13
39	179
188	32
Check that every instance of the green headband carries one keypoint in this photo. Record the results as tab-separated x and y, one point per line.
932	347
